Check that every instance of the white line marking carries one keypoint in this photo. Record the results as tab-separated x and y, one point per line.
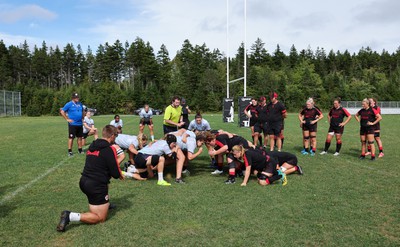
24	187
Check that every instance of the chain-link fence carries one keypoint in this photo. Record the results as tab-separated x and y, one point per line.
10	103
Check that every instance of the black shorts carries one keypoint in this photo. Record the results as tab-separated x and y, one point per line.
261	127
145	121
85	135
75	131
167	129
367	130
96	192
275	128
292	160
309	127
336	129
141	160
253	122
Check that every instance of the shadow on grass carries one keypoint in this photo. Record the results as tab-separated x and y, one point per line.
5	210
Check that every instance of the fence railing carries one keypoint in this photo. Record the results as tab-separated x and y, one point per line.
387	107
10	103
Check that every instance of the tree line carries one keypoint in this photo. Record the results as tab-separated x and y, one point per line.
121	77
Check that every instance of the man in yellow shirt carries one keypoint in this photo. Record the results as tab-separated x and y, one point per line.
173	116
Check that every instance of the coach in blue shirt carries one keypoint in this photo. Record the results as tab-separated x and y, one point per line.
73	113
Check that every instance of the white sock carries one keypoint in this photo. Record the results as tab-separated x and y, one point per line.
152	138
160	176
128	174
283	169
74	217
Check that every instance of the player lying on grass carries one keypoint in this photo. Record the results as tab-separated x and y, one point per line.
152	157
102	163
286	162
222	144
257	160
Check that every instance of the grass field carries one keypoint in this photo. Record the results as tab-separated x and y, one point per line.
340	201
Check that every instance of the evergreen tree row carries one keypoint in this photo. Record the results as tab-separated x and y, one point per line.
119	77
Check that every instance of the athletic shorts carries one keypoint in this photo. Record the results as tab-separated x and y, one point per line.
377	126
336	129
274	128
75	131
167	129
145	121
309	127
253	122
367	130
261	127
292	160
96	192
141	160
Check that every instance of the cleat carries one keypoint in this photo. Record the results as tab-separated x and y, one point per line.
323	152
179	181
240	174
70	154
64	221
82	152
367	153
231	180
362	157
304	152
283	179
217	172
163	183
213	164
300	170
131	169
312	153
381	154
336	154
373	158
186	172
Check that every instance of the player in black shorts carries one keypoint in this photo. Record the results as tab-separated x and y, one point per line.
276	112
222	144
336	126
368	117
257	160
309	117
377	127
251	113
261	125
287	162
101	164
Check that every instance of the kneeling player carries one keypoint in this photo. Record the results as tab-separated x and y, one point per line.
287	162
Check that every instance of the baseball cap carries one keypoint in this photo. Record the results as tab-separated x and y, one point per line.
75	95
262	98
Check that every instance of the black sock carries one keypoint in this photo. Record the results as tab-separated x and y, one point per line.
69	150
338	147
274	178
327	145
80	150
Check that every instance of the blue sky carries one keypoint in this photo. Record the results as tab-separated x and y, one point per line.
337	25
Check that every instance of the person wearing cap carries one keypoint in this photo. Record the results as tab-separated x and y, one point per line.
199	124
152	157
172	116
73	113
185	114
261	125
276	112
118	123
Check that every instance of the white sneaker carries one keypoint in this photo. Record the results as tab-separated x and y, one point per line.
323	152
336	154
217	172
186	172
131	169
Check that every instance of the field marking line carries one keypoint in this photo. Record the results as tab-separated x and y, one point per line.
11	195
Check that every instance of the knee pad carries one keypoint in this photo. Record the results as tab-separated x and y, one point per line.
306	137
232	165
363	142
370	142
312	137
377	134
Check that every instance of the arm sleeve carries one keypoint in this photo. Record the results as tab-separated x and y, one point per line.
141	114
346	112
112	162
167	114
66	107
207	124
247	160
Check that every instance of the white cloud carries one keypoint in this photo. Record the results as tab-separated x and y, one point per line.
11	14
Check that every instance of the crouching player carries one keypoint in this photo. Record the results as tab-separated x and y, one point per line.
102	163
152	157
286	162
260	163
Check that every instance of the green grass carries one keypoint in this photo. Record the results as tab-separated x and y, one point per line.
339	201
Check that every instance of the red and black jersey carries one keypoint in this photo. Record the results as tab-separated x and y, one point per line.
310	114
223	139
275	112
337	115
257	159
253	111
378	124
262	113
367	115
283	157
101	162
